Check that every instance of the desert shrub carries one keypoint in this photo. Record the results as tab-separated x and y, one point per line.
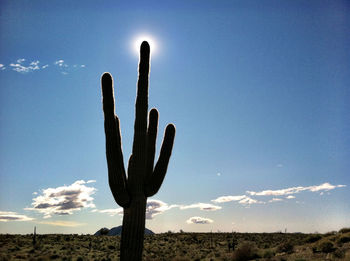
268	254
181	259
344	239
339	253
344	230
326	246
111	247
313	238
286	247
245	251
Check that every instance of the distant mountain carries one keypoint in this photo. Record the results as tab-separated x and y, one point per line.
117	231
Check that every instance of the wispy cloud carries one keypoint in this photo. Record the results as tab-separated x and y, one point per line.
202	206
20	67
64	200
228	199
6	216
60	63
62	223
156	207
199	220
23	66
290	197
294	190
275	200
243	199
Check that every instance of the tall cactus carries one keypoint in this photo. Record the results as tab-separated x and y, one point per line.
143	179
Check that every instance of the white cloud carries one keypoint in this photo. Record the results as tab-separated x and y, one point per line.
64	200
34	63
243	199
155	207
202	206
294	190
91	181
20	67
248	201
60	63
290	197
199	220
275	200
228	199
6	216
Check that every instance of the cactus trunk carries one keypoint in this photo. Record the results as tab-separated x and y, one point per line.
133	230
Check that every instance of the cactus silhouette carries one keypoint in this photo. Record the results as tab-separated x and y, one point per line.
143	179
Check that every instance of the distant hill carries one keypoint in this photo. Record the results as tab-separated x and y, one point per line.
117	231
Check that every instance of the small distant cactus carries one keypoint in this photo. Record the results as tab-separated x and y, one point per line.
143	179
34	236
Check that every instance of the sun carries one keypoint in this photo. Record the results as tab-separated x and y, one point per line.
139	39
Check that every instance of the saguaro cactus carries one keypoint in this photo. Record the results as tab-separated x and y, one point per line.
143	179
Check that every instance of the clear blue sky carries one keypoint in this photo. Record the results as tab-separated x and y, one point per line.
258	90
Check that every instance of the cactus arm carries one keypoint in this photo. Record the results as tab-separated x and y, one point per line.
140	126
136	171
151	142
116	170
156	180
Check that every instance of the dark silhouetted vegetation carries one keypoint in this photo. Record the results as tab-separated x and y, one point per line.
176	246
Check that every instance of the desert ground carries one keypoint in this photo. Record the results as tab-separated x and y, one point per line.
182	246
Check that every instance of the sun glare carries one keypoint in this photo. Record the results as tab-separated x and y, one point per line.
138	40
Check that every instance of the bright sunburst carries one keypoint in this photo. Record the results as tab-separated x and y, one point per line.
139	39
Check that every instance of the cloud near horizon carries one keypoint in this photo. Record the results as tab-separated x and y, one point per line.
61	223
6	216
199	220
64	200
156	207
153	207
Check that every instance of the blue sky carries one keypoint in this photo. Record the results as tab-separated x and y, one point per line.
258	91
